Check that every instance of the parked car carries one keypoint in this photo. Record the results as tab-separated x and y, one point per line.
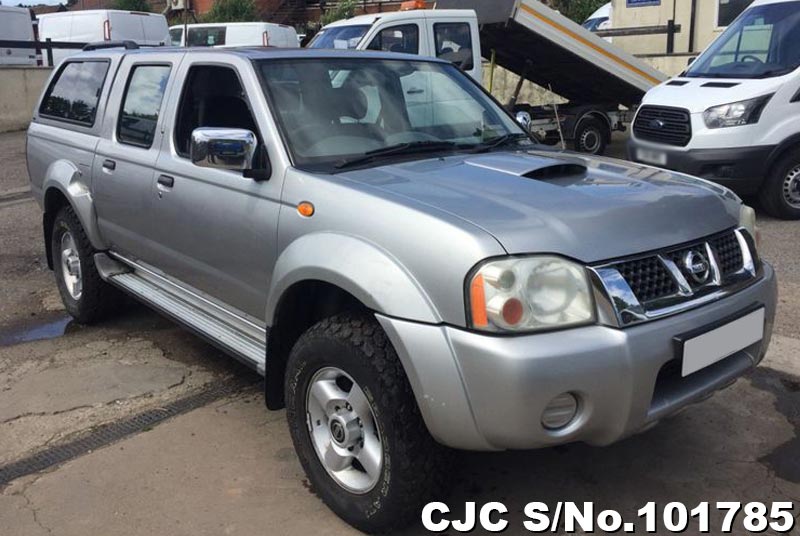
733	116
16	25
235	34
408	273
147	29
600	19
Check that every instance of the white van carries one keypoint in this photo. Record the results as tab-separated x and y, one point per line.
235	34
16	25
90	26
734	115
451	34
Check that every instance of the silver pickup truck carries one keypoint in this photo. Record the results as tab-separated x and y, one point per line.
375	235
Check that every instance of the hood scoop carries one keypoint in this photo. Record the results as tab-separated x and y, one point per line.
721	85
556	171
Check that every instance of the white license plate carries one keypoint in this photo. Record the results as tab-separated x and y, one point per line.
651	156
708	348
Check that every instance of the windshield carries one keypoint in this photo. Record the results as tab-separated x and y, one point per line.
337	111
339	37
764	41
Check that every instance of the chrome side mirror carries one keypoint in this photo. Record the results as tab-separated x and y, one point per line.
524	119
223	148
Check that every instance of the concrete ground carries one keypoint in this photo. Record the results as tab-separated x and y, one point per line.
227	467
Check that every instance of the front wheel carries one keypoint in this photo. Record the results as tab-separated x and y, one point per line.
780	194
591	137
356	426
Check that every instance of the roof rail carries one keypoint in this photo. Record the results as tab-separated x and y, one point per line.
127	45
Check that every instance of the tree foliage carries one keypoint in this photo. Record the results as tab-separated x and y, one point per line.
577	10
232	11
342	10
132	5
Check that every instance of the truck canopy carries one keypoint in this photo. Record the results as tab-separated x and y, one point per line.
550	50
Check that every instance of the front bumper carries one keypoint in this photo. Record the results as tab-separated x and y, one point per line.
482	392
742	169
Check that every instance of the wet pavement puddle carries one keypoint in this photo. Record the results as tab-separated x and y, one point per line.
36	329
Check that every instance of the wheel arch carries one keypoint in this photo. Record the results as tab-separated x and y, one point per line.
64	186
792	143
593	114
323	274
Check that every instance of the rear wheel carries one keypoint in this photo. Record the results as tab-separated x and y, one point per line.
85	295
591	136
780	194
356	426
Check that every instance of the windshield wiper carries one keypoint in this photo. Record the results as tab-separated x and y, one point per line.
411	147
493	143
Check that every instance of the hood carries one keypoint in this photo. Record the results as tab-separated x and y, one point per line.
699	94
589	209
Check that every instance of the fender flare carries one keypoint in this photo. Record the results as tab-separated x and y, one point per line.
366	271
68	179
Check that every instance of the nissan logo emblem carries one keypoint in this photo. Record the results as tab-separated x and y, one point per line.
696	266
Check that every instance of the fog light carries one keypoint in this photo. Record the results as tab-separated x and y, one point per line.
560	411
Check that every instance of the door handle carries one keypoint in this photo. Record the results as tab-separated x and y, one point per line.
109	165
415	91
166	180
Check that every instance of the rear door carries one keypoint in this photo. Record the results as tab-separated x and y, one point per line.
16	25
124	165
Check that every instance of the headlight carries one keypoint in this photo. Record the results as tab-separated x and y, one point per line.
736	113
747	219
520	294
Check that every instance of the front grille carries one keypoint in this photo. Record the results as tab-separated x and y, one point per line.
671	126
729	254
648	278
659	283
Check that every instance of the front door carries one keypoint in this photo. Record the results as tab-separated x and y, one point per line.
217	229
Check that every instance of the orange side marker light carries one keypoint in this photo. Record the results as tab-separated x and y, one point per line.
305	209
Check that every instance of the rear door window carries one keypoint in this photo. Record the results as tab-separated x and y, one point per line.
403	39
74	93
454	43
141	105
209	36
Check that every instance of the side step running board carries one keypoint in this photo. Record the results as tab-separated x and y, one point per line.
241	345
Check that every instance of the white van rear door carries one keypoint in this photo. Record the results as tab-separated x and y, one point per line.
156	30
127	26
16	26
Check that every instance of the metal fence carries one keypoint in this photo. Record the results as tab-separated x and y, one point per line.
47	46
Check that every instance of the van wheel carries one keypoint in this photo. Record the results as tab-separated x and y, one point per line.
591	136
780	195
356	426
87	298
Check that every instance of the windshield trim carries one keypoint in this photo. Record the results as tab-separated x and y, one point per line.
330	168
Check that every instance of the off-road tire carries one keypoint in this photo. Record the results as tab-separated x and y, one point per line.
414	467
599	136
772	196
97	298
